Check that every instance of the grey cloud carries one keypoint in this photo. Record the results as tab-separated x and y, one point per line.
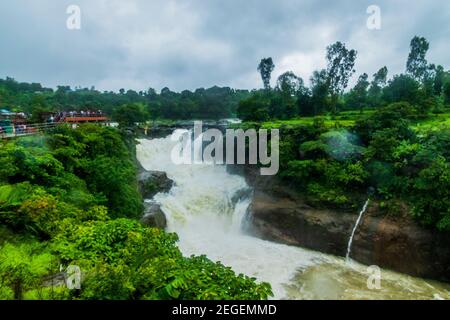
197	43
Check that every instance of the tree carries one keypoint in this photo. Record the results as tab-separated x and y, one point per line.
377	85
339	70
446	91
304	101
23	267
130	114
402	88
265	67
320	90
288	83
284	105
417	65
439	80
357	98
254	108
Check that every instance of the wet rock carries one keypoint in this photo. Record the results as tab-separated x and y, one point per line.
402	245
241	194
278	213
153	182
154	216
291	222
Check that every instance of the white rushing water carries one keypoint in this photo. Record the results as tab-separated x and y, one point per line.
350	241
201	210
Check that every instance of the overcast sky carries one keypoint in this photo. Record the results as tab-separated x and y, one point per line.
188	44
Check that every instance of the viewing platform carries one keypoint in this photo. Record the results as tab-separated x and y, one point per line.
84	119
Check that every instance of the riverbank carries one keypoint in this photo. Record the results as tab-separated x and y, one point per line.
277	213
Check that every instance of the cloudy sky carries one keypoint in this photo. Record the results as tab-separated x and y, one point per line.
186	44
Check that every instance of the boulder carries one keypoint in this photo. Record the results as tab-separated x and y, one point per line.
154	216
153	182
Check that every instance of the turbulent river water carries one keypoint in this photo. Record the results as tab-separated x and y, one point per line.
203	209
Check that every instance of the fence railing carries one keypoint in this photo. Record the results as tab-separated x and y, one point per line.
12	131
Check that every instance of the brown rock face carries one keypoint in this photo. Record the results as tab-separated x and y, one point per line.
396	243
291	222
402	245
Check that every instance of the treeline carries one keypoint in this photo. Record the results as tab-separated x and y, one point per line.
423	85
406	171
70	198
211	103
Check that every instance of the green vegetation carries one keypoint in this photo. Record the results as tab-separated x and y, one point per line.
389	138
425	86
33	99
70	197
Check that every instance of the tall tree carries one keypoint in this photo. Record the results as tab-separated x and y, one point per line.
341	62
417	65
265	67
402	88
380	77
439	79
289	83
320	91
376	86
358	95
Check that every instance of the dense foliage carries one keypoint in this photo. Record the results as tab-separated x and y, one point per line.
383	154
70	198
212	103
334	157
424	85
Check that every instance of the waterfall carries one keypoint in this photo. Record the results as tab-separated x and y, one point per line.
207	211
349	246
207	208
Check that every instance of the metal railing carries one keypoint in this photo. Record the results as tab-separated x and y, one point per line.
13	131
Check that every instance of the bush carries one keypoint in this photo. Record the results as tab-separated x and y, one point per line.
126	260
22	267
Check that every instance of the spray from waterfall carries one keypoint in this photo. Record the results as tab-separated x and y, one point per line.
350	241
208	209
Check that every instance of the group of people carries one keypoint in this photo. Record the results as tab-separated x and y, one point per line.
16	129
72	114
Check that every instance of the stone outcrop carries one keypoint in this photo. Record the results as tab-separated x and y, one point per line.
393	242
153	182
150	183
154	216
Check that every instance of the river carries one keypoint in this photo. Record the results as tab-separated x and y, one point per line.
202	209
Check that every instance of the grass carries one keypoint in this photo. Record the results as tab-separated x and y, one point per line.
329	123
344	119
347	119
434	123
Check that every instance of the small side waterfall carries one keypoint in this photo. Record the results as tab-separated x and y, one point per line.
349	246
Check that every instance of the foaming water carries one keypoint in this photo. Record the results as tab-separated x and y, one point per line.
204	209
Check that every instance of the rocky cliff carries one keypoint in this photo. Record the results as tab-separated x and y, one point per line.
277	213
